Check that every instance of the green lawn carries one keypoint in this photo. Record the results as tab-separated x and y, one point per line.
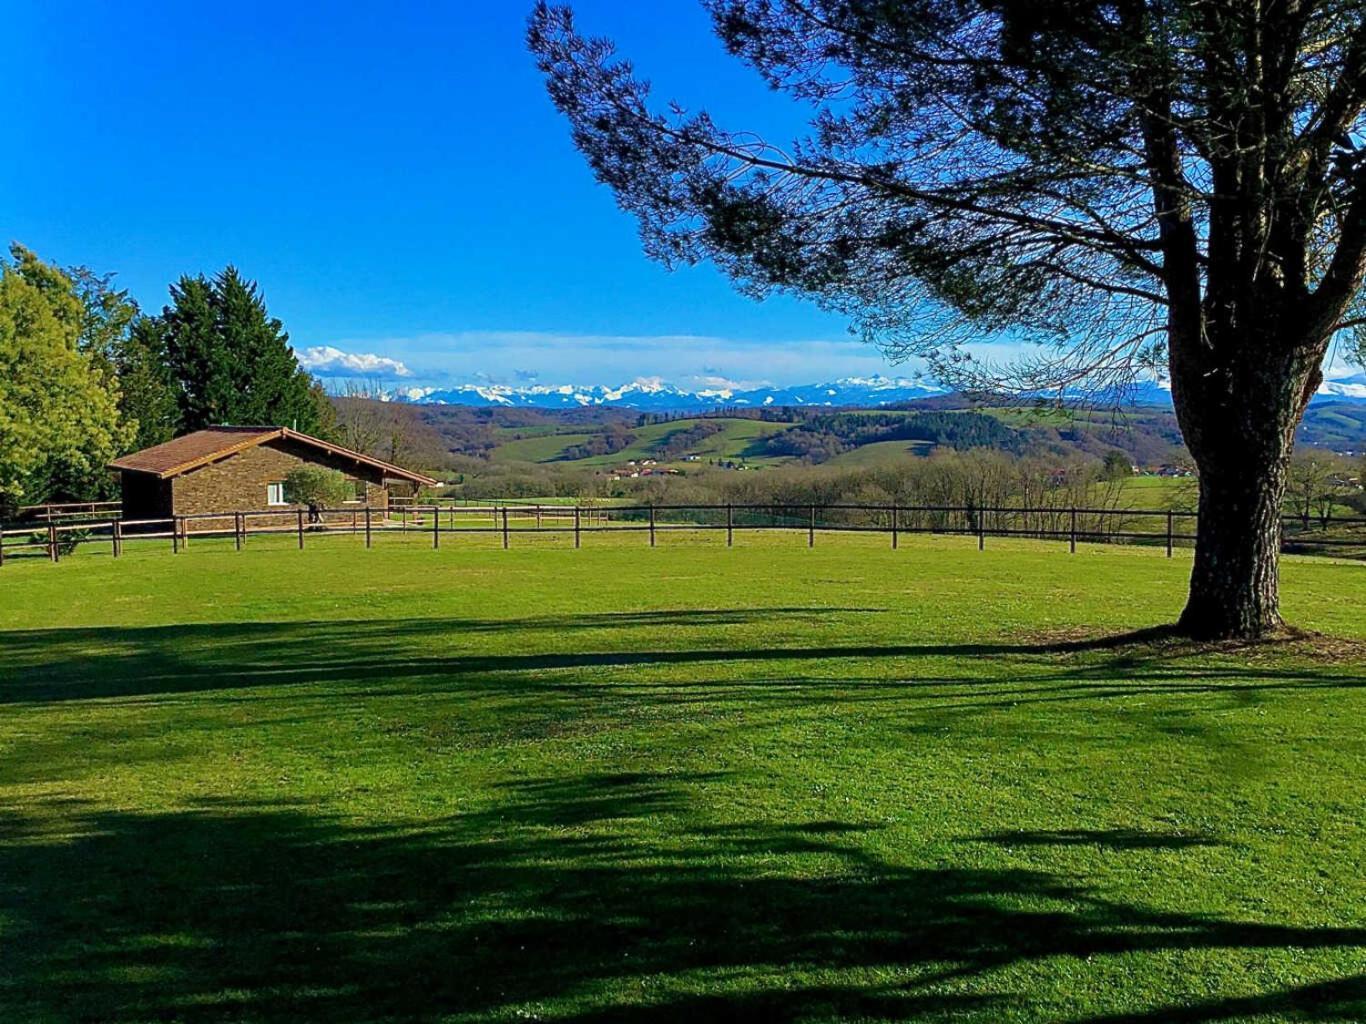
687	783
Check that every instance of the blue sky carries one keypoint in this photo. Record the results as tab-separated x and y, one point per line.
393	176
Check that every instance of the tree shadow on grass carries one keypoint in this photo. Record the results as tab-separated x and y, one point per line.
102	662
591	897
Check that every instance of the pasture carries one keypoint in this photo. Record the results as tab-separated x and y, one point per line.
684	783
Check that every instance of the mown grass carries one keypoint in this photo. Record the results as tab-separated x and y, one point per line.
688	783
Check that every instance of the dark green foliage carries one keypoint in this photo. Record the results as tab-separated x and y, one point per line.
683	441
1117	465
231	360
319	488
148	394
613	438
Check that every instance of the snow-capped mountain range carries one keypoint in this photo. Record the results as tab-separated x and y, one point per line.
654	394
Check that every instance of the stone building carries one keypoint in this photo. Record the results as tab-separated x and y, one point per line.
243	469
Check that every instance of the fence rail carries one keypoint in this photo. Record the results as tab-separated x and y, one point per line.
55	536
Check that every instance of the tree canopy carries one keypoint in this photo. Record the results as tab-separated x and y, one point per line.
59	415
230	359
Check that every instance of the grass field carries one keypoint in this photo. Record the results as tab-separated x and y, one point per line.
735	440
680	784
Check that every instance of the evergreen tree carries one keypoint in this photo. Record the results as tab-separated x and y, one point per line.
148	395
1152	183
231	360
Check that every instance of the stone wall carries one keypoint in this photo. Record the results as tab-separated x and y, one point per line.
240	482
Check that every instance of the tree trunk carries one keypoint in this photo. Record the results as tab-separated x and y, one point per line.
1239	405
1234	588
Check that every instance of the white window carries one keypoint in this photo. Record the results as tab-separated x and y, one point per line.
275	494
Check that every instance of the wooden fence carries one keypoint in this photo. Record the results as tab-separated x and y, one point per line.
58	534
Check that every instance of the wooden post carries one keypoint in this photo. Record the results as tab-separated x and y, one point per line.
1073	535
577	518
118	541
894	526
1169	533
52	552
175	535
811	528
367	526
505	527
981	532
2	542
652	526
301	529
239	525
730	525
436	528
355	522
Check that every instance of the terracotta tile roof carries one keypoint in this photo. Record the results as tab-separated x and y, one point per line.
213	443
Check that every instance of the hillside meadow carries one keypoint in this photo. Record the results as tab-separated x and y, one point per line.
684	783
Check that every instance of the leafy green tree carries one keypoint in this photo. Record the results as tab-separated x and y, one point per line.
319	488
230	360
1117	466
59	415
1133	184
132	349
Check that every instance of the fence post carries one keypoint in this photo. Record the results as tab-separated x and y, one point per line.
981	532
2	542
1169	533
436	528
118	541
175	535
52	539
238	525
505	527
894	527
301	529
1072	539
811	528
576	525
367	526
730	525
652	526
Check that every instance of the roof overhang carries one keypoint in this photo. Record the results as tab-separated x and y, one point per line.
254	439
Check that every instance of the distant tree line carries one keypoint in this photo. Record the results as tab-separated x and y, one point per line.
614	437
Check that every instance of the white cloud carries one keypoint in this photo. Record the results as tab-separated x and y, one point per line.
327	361
507	357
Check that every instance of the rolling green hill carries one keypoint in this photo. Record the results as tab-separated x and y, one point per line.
733	441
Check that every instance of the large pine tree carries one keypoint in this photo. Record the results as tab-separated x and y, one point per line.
231	359
1130	183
